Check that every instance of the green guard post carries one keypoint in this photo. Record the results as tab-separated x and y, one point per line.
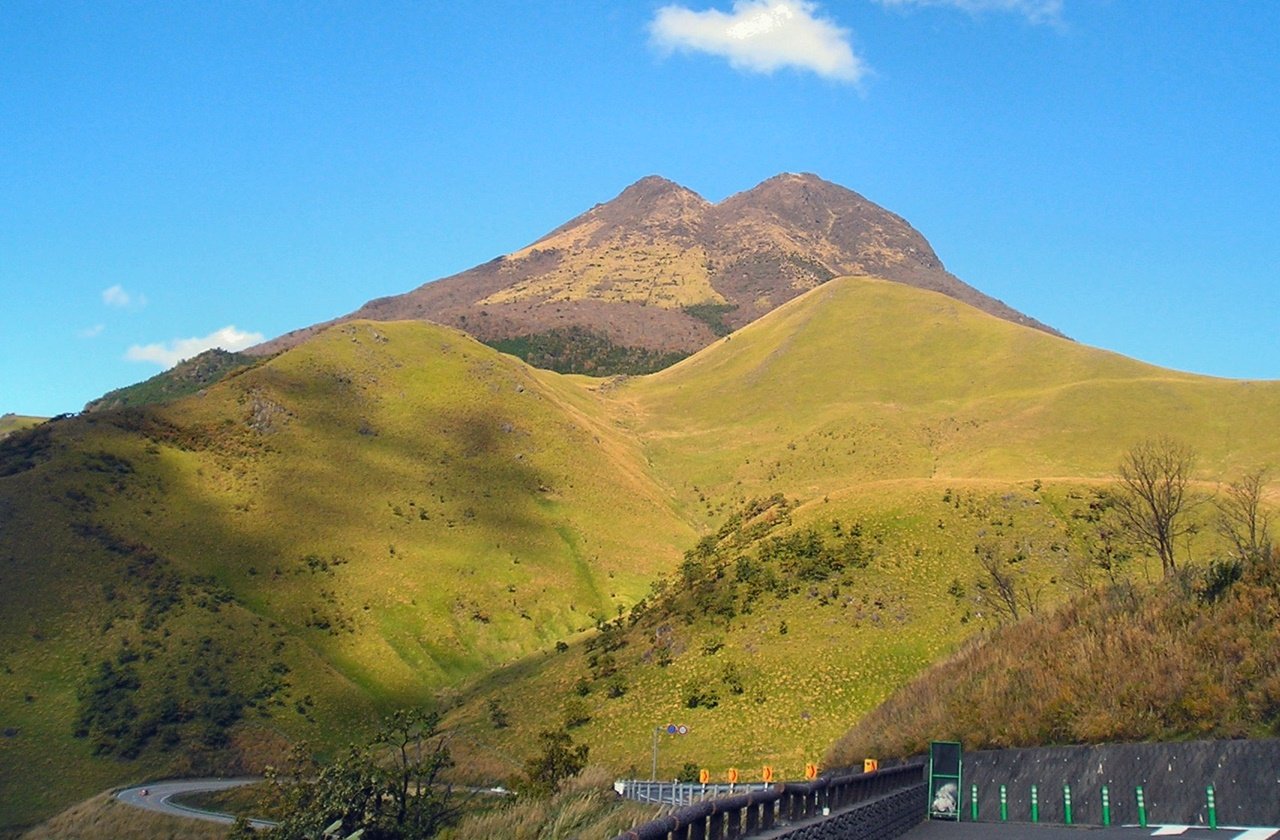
1004	804
1035	804
1142	808
973	801
1213	808
1066	803
1106	806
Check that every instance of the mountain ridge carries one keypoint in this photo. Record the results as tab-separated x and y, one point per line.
660	269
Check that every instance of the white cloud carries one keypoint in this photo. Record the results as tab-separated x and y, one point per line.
1036	11
170	353
117	296
92	332
762	36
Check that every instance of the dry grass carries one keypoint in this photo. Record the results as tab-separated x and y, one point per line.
1124	663
587	808
103	818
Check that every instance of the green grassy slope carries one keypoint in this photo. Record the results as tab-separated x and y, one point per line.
939	430
10	423
187	377
360	522
862	380
389	510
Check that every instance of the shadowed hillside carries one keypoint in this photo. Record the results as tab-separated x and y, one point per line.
356	524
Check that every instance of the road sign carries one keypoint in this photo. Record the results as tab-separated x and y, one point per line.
682	730
704	775
733	775
767	775
811	771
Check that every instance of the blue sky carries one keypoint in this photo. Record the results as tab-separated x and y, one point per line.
174	174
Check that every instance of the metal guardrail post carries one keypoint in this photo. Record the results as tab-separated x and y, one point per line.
717	826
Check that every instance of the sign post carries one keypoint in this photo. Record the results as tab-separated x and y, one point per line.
945	760
670	729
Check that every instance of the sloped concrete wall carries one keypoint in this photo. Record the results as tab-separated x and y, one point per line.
883	818
1245	776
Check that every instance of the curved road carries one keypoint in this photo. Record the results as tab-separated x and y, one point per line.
159	798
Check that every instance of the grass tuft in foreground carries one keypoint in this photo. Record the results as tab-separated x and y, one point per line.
586	806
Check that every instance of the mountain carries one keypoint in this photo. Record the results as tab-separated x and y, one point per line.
391	512
659	272
186	377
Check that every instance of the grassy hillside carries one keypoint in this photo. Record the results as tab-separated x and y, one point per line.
792	621
187	377
863	380
941	432
356	524
10	423
1195	657
391	511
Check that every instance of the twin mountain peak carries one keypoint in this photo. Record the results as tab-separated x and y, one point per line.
659	272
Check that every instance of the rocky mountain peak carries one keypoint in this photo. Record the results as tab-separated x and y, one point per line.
658	271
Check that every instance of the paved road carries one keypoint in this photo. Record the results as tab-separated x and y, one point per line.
159	798
1022	831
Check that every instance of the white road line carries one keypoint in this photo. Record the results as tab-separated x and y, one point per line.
1244	833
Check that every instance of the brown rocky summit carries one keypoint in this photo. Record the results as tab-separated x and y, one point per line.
659	272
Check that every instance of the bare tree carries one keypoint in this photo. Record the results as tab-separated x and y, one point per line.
1241	518
1004	587
1154	497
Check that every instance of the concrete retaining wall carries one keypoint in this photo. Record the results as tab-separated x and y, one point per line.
1245	776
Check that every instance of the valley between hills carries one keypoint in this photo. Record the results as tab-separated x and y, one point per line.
377	514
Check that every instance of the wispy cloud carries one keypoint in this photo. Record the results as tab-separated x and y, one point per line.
117	297
762	36
170	353
1035	11
92	332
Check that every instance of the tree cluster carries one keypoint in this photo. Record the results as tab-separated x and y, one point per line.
390	787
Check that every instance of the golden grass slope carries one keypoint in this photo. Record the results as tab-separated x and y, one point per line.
863	380
104	818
